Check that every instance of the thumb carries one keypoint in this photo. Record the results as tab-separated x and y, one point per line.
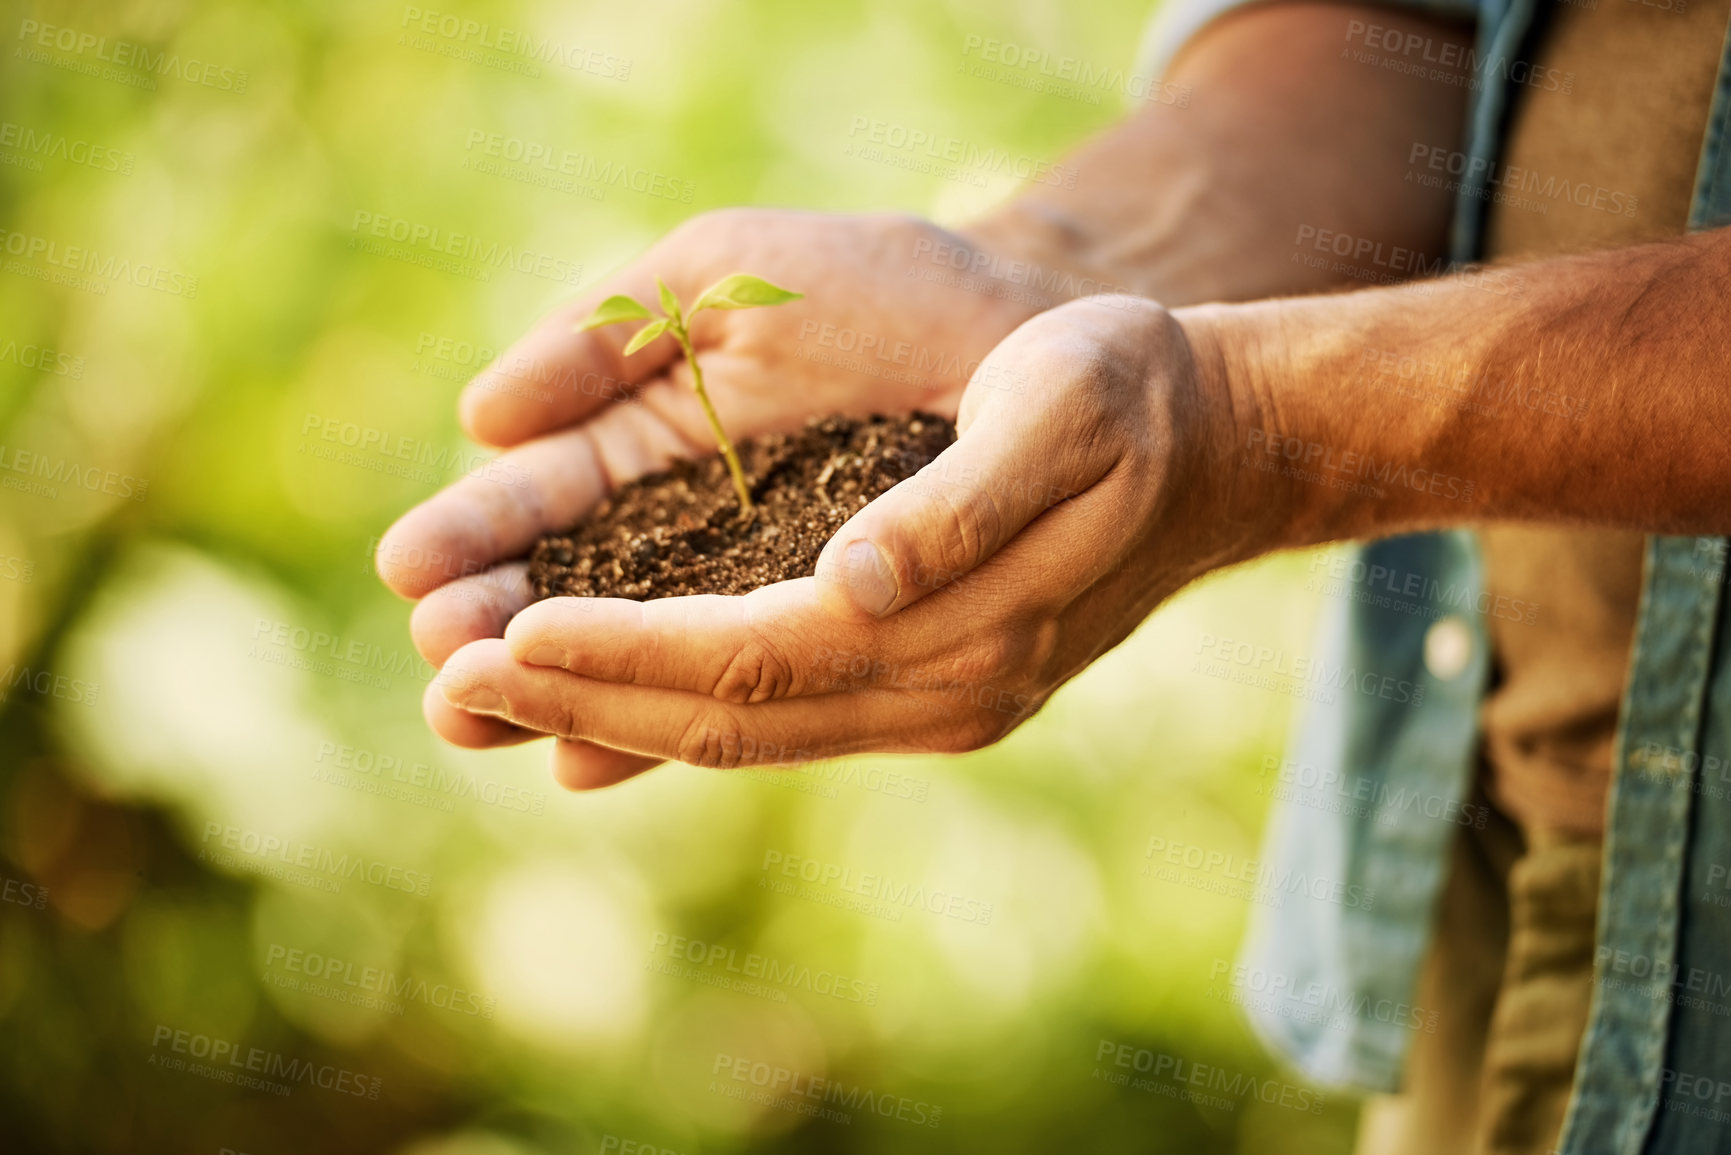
1008	466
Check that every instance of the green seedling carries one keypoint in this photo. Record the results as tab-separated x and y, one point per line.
739	291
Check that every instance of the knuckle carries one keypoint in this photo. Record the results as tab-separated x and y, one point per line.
566	724
704	743
966	527
758	672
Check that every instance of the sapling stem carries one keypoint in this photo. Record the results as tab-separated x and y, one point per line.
738	291
721	438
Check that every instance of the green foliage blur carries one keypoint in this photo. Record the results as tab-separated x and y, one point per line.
231	852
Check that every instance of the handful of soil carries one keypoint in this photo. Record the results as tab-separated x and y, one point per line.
678	532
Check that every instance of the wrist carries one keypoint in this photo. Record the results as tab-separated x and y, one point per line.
1254	488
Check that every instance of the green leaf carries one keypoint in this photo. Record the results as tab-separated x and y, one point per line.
669	303
647	334
613	310
743	291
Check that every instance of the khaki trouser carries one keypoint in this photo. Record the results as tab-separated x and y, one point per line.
1510	976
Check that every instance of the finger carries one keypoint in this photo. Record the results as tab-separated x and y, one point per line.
692	728
554	375
775	642
586	766
468	609
497	512
470	731
1010	465
451	617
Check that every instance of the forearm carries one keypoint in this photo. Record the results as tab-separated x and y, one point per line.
1277	133
1583	390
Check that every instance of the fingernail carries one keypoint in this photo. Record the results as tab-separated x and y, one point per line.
546	654
476	699
869	578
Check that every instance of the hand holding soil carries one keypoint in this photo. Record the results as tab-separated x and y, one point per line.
578	419
941	615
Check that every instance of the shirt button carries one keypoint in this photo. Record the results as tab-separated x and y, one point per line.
1448	645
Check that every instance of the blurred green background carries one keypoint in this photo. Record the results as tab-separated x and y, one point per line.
231	848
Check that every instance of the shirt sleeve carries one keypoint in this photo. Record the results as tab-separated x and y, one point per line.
1176	21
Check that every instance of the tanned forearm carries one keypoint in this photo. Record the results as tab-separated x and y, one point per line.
1278	133
1592	390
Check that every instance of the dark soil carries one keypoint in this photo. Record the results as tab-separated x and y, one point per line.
678	532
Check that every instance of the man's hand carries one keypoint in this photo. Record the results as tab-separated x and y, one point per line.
884	328
945	612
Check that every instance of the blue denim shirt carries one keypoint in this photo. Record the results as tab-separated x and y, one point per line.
1374	787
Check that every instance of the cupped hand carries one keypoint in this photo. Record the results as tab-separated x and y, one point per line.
887	325
1083	490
